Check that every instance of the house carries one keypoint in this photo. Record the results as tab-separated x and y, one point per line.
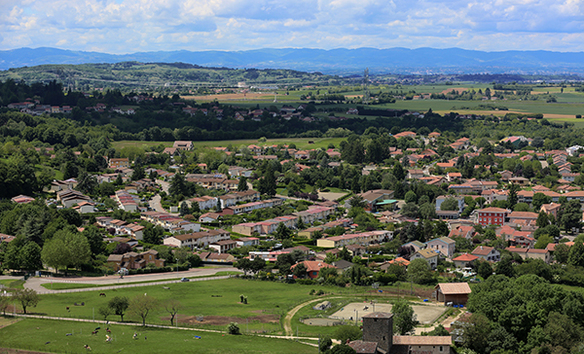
464	260
217	258
415	174
197	239
532	253
223	246
312	268
117	163
465	231
22	199
443	245
375	197
84	207
183	145
430	256
133	260
551	209
456	293
492	216
489	254
405	134
416	245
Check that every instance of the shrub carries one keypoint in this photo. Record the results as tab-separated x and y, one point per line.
233	328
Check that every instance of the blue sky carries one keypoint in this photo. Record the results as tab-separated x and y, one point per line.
123	26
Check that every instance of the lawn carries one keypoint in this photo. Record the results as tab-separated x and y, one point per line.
212	304
301	143
217	301
51	336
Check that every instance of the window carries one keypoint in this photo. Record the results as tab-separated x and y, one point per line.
441	348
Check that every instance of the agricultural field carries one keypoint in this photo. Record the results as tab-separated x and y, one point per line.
301	143
51	336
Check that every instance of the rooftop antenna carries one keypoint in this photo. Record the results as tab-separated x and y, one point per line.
366	93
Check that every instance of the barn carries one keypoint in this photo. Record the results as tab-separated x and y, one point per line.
455	293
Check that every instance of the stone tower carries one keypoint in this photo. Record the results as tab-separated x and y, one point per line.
378	327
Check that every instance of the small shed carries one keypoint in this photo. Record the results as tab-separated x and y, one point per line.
455	293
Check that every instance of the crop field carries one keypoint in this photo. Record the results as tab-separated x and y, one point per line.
52	336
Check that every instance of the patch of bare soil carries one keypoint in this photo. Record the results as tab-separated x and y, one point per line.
224	320
458	90
230	96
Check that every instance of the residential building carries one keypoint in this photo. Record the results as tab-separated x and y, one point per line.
429	255
443	245
133	260
489	254
492	216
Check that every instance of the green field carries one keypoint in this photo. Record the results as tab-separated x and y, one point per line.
51	336
267	302
301	143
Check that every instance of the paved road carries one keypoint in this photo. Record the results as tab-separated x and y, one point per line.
115	281
155	204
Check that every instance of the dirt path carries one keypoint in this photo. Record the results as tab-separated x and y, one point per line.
291	313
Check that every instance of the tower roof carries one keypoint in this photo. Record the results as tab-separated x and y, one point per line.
378	315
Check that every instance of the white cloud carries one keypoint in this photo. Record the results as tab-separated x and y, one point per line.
123	26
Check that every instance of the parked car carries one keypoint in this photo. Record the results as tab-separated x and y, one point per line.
185	279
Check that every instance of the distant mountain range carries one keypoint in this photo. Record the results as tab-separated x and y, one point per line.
335	61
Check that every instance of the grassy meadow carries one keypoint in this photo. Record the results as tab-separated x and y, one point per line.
301	143
51	336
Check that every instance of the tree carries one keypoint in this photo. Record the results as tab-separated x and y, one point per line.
348	333
571	215
300	270
324	344
576	255
172	306
153	234
543	241
178	186
184	208
505	267
540	199
449	204
233	328
485	270
358	202
141	305
267	185
105	311
512	195
419	272
475	331
404	319
27	298
561	253
542	220
242	185
66	249
283	232
119	305
411	197
30	256
244	264
4	302
341	349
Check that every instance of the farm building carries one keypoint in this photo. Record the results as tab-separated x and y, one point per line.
456	293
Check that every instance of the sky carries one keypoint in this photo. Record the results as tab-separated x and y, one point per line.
128	26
